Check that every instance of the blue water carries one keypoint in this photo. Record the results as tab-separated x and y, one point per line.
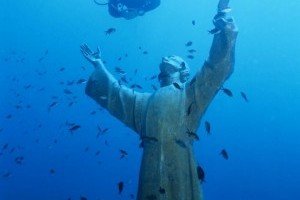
39	58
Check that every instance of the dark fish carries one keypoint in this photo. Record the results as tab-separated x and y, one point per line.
200	173
153	77
46	52
120	186
147	139
176	85
97	153
224	154
189	43
207	127
180	143
123	78
83	198
162	190
52	171
41	59
110	31
193	22
132	196
67	91
27	86
227	92
9	116
188	112
62	69
81	81
52	105
120	58
6	175
93	113
192	51
74	128
190	56
123	153
145	52
120	71
192	134
19	159
5	146
244	96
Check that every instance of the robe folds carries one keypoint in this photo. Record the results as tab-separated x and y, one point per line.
163	118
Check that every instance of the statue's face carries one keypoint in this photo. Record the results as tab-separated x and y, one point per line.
175	68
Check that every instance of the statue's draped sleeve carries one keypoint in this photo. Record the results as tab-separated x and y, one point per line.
123	103
216	69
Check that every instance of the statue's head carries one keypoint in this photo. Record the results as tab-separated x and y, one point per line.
173	69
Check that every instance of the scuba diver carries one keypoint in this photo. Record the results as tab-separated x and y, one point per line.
129	9
167	120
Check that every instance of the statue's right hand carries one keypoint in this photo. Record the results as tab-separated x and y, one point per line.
93	57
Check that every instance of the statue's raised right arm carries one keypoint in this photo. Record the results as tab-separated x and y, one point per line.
219	65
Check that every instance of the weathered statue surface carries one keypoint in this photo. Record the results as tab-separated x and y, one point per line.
165	118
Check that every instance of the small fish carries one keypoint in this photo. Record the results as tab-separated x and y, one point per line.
162	190
123	153
41	59
81	81
110	31
97	153
62	69
180	143
190	56
224	154
192	134
176	85
145	52
93	113
207	127
200	173
227	92
67	91
83	198
188	112
147	139
6	175
193	22
123	78
74	128
153	77
188	44
52	105
9	116
52	171
132	196
120	186
192	51
5	146
244	96
120	71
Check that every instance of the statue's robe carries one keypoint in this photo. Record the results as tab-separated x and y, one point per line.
168	169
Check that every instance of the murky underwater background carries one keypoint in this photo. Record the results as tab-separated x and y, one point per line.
42	97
